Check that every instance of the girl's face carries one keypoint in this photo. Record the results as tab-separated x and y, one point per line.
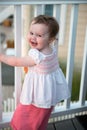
38	36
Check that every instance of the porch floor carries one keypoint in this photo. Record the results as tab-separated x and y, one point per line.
77	123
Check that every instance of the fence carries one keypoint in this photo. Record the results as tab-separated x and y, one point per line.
67	108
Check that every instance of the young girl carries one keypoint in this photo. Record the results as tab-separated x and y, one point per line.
44	85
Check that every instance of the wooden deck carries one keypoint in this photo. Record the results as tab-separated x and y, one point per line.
77	123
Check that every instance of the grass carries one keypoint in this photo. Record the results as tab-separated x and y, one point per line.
76	84
75	81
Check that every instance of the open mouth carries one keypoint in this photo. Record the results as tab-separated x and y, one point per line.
33	43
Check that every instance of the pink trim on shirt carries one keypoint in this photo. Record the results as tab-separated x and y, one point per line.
48	65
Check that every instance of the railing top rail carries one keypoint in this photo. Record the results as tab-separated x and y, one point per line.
20	2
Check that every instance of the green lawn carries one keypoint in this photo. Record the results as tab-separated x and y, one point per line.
75	82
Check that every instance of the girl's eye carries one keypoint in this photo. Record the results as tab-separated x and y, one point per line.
31	33
39	35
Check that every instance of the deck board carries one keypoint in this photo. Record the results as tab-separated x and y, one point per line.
77	123
64	125
50	126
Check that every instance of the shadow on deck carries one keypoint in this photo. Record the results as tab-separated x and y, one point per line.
77	123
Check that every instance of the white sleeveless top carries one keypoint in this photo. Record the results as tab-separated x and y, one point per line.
44	85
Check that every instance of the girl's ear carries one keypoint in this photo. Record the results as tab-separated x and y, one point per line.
52	40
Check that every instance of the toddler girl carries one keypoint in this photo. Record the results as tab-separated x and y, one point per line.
44	85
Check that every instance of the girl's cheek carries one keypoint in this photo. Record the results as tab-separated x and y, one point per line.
28	38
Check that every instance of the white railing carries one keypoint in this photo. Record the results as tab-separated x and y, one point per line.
39	6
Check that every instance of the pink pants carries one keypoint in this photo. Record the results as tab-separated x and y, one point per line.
30	117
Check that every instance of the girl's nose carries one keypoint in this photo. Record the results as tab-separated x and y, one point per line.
33	37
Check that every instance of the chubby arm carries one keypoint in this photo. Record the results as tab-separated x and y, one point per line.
17	61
